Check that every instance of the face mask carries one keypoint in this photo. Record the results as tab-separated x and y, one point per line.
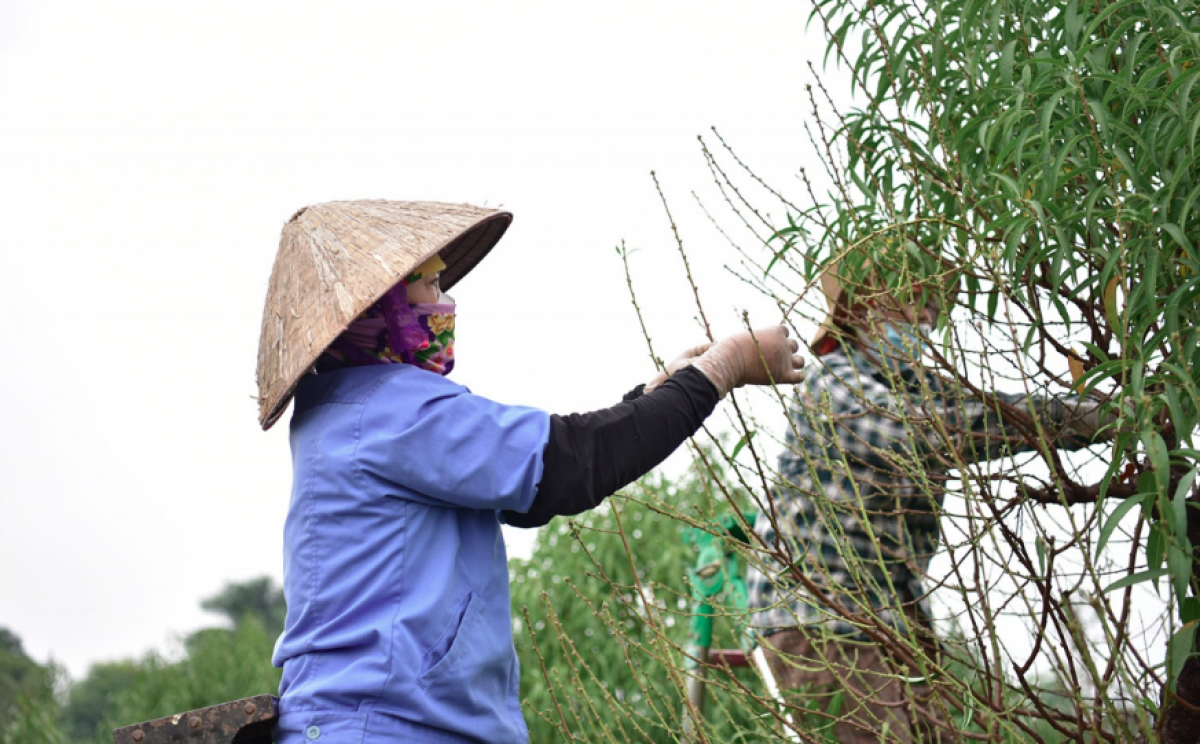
436	354
395	331
903	341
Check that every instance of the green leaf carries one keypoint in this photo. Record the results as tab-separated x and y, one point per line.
1189	610
1104	14
1073	21
742	443
1115	518
1145	484
1136	578
993	302
1049	108
1188	204
1156	452
1156	549
1179	503
1179	649
1013	188
1006	62
1175	232
1120	446
1179	565
1192	134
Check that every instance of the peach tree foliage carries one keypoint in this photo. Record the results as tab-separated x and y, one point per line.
1034	162
601	619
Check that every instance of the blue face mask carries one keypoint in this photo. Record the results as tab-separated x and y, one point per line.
903	340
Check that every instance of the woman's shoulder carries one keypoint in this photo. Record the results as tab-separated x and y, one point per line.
412	386
362	384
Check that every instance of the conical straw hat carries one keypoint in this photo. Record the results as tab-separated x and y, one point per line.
832	288
833	285
337	259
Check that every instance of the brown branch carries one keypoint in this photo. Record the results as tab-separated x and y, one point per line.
1073	493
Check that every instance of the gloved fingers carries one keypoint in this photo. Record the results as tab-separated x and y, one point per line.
686	358
697	350
655	381
683	360
754	357
795	375
788	371
770	356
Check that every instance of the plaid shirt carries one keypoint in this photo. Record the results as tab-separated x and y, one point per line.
866	460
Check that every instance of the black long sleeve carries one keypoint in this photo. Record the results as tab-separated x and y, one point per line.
591	455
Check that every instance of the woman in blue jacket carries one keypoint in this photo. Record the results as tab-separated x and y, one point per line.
398	624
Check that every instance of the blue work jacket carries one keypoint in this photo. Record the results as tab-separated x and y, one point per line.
398	624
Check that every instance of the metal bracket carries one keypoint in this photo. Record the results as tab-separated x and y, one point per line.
245	721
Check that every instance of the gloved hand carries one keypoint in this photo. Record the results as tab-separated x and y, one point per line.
676	364
752	358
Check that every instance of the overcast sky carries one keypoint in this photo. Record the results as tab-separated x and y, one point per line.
151	152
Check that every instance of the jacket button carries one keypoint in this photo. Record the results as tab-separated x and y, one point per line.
313	733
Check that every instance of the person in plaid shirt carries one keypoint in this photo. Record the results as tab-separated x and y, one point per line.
872	434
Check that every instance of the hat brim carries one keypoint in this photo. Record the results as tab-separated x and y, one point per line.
832	288
464	253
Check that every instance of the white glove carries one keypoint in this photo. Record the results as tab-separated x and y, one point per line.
678	363
752	358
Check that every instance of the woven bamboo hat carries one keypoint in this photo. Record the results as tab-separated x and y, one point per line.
833	285
337	259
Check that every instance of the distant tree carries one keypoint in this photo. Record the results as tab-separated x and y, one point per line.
28	709
89	698
219	664
9	641
260	597
18	672
34	719
15	668
219	667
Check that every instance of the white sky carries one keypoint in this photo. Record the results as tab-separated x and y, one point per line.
150	153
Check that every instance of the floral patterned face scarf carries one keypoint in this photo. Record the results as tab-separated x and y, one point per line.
394	331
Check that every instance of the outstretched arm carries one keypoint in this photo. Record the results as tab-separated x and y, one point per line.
589	456
987	426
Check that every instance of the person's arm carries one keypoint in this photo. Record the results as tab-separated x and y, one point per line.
1004	423
996	425
589	456
930	417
